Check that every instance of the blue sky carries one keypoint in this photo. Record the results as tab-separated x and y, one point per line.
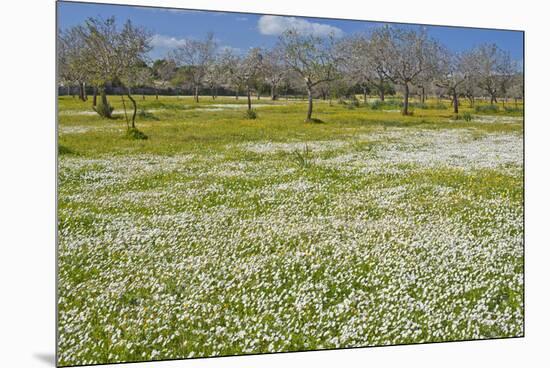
241	31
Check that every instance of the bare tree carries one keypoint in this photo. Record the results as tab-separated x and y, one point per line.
229	62
404	56
214	75
452	73
101	56
274	69
310	57
495	69
361	66
70	59
197	57
516	90
133	45
244	71
164	71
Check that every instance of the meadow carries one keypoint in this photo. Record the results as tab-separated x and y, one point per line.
221	235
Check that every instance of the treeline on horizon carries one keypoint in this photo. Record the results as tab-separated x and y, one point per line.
386	60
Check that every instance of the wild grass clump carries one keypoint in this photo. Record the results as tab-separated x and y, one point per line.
302	157
486	108
250	114
135	133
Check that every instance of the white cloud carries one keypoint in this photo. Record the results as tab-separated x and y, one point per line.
275	25
162	41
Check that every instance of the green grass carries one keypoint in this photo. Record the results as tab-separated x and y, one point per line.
222	235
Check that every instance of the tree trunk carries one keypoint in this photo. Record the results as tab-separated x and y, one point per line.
365	94
94	100
103	96
125	114
381	89
423	94
106	108
406	100
157	93
135	108
273	98
197	93
68	90
237	93
455	102
212	92
80	92
309	103
248	97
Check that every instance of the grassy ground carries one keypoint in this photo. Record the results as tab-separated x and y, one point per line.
220	235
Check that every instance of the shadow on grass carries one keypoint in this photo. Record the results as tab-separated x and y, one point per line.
64	150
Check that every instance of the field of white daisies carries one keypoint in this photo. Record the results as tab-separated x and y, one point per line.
220	235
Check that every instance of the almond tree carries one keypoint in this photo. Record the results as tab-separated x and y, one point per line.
470	86
243	71
404	56
132	48
516	90
164	71
214	75
71	70
229	62
101	57
452	73
360	64
495	69
274	70
197	56
312	58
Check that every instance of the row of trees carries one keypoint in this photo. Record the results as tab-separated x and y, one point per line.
386	59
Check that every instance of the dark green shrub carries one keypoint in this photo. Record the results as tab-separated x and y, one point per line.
513	109
134	133
64	150
389	104
250	114
419	105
